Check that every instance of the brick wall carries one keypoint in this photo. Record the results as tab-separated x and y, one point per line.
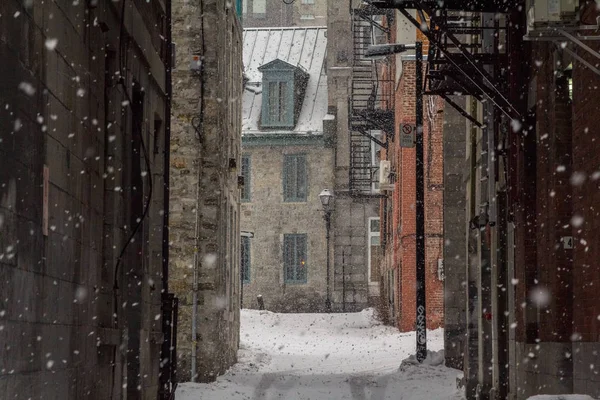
63	108
402	227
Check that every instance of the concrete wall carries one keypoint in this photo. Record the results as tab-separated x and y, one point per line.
350	223
269	218
455	235
205	164
64	111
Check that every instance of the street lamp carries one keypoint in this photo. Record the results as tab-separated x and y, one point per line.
421	316
326	197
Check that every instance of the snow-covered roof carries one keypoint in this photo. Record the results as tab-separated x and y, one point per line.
304	47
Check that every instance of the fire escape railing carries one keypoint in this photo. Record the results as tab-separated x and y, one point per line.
457	62
371	104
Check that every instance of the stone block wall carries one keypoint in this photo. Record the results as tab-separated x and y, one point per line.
79	151
205	164
268	217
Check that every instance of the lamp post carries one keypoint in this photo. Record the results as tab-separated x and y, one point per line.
326	197
421	316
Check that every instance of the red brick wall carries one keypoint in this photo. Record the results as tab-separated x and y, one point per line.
404	218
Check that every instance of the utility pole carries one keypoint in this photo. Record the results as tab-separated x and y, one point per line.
420	209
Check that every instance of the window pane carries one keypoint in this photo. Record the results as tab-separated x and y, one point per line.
295	265
245	195
245	256
283	104
273	102
259	6
294	177
301	260
301	177
375	225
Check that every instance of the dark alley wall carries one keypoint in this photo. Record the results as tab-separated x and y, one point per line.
79	151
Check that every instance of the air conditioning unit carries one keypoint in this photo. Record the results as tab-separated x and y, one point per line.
553	12
385	176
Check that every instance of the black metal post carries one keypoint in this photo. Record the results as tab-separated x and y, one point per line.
420	210
343	282
328	228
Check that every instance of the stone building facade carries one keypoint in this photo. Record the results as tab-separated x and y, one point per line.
205	164
355	213
83	145
276	13
286	165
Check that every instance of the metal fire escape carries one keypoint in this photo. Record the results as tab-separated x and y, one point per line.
371	103
458	64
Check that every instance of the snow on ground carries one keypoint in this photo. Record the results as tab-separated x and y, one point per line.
330	357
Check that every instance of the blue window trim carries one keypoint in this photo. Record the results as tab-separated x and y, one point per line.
246	194
246	257
287	159
287	242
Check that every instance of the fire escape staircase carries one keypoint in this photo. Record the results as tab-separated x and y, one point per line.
371	106
458	64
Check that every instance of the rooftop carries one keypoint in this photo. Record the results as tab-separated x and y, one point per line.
305	47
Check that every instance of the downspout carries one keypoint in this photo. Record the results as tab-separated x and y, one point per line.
166	365
195	284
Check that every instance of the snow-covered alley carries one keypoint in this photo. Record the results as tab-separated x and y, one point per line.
327	356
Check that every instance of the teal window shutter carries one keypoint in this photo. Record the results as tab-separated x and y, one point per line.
245	259
295	181
295	258
246	174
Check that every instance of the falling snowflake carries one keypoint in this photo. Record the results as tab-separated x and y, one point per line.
51	43
27	88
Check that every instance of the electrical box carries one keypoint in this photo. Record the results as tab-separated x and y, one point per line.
554	12
385	174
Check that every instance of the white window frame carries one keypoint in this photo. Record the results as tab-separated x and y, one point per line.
369	236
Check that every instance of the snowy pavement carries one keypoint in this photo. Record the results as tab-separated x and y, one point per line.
329	357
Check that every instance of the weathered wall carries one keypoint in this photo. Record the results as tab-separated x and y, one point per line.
350	223
63	108
205	151
455	235
269	218
279	14
401	226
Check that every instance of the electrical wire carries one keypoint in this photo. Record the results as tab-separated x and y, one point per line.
288	2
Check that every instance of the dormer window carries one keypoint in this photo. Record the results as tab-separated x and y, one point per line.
284	87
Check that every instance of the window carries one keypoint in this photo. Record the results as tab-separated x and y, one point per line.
294	178
279	113
307	16
294	258
375	158
375	251
245	195
245	262
259	7
308	1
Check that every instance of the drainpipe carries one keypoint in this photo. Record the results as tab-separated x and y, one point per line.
195	285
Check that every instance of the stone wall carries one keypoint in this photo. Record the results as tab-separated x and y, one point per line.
268	217
205	164
81	142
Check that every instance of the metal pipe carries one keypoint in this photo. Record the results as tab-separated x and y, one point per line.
421	313
166	365
195	286
328	227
